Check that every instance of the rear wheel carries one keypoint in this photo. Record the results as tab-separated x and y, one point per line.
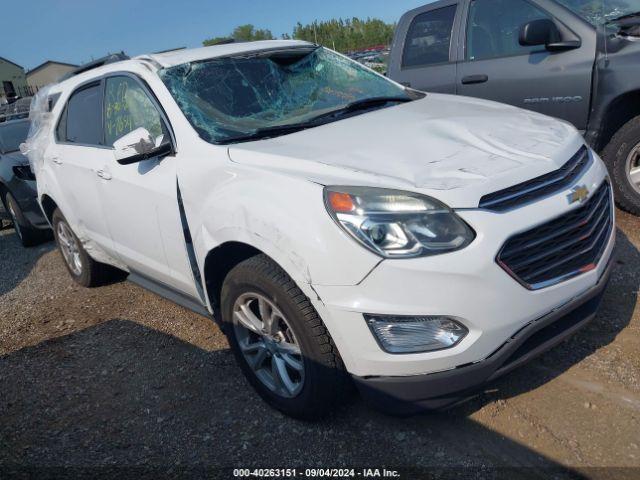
280	342
82	268
27	233
622	156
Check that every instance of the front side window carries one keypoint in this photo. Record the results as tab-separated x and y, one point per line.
493	28
127	107
234	97
429	38
83	117
12	134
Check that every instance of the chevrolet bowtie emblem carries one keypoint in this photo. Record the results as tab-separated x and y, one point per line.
578	194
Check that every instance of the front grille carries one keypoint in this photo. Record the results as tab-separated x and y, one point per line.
562	248
538	187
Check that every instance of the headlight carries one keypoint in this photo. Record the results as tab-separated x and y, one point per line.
397	224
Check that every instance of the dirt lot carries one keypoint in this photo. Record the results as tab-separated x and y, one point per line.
118	376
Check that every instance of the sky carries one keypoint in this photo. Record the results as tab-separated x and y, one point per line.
75	31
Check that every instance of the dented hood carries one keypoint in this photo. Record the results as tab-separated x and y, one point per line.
456	149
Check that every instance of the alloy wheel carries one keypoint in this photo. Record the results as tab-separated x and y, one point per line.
268	344
633	167
69	248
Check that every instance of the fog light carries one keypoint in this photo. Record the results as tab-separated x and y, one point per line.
400	334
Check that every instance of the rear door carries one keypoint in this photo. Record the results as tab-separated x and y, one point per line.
77	157
424	48
495	66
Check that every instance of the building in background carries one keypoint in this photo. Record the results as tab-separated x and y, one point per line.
48	72
13	81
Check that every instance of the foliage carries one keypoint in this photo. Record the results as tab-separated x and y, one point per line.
341	35
242	33
346	35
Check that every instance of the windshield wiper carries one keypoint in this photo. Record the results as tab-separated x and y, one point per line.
276	130
362	104
269	132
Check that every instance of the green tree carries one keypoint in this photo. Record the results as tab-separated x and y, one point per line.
345	35
242	33
339	34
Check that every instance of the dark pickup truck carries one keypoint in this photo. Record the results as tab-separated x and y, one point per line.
578	60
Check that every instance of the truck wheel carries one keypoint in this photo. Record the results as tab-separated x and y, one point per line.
280	342
622	156
82	268
28	234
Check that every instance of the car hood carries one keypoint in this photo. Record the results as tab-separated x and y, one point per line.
456	149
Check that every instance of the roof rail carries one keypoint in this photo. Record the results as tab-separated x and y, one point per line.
224	41
111	58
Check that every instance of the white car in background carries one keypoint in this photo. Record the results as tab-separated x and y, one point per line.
340	227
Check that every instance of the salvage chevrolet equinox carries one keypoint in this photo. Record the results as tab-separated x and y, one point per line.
342	229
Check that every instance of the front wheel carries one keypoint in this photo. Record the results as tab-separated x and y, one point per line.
622	156
280	342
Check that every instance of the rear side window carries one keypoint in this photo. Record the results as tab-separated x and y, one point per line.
494	28
429	38
83	117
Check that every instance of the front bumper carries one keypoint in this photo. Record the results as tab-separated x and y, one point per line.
412	394
468	285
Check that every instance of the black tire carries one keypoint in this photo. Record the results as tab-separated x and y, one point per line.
29	235
91	273
615	156
326	383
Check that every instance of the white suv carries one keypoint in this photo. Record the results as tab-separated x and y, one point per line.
340	227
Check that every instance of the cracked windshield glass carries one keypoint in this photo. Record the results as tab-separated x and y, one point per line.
233	98
598	12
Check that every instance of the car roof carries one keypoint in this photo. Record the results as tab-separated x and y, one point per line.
177	57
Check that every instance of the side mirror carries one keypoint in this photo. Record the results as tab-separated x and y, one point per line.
139	145
539	32
545	32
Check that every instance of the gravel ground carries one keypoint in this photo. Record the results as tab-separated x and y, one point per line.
117	376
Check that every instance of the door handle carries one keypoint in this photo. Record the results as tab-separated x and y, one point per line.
56	160
104	175
470	79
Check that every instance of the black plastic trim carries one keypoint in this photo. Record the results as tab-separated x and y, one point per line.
169	293
188	241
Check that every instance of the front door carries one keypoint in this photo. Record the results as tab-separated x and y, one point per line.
140	199
427	59
497	67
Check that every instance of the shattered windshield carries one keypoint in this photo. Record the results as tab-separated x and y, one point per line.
235	97
598	12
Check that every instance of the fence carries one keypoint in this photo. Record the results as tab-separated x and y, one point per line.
26	90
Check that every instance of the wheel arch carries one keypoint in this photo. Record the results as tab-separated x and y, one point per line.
3	193
218	262
617	113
